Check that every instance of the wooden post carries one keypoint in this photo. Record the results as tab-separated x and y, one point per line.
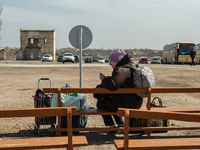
59	105
126	129
69	128
148	108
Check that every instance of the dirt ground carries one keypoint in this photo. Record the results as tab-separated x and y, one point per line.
19	82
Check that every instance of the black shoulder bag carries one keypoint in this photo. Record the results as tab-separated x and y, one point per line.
138	122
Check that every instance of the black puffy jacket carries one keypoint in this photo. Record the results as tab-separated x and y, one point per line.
120	76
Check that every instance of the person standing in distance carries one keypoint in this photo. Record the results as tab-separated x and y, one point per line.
192	55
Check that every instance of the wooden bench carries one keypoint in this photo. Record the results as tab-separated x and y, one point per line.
155	144
89	111
149	91
43	142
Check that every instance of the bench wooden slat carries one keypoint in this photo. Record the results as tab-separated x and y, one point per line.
177	109
175	90
51	90
102	90
41	143
157	144
86	129
95	112
34	112
121	129
105	112
124	90
131	129
95	90
150	114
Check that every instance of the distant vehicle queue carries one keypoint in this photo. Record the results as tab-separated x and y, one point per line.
90	59
178	52
69	57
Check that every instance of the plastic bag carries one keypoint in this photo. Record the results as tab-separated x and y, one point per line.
68	101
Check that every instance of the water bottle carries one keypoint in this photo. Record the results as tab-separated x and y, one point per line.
67	85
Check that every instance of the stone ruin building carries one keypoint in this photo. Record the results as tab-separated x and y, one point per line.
7	53
35	43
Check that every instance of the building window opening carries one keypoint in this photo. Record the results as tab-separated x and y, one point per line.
45	41
32	41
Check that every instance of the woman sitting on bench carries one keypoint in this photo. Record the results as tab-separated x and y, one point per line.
121	63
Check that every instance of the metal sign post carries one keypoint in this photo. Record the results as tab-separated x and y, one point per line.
80	37
80	55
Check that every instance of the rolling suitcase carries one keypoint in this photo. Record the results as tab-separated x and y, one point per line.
43	100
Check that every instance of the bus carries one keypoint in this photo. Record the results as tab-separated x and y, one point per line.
178	52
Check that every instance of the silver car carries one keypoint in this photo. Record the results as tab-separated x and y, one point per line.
156	60
101	60
68	57
47	57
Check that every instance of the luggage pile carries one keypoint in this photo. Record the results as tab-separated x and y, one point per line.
43	100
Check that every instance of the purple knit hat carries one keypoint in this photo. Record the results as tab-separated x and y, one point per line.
117	55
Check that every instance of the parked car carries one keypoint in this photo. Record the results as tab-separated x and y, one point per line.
60	58
95	58
107	59
68	57
101	60
143	60
88	60
76	58
132	58
47	57
156	60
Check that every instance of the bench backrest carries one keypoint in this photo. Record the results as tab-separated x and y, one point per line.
36	112
148	91
149	114
97	91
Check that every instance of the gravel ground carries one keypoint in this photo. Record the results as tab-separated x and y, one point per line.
19	82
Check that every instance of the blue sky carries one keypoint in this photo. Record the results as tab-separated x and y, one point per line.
113	23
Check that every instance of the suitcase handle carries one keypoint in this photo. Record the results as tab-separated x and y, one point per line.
43	79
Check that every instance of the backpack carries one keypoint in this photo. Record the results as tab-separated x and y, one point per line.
142	78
